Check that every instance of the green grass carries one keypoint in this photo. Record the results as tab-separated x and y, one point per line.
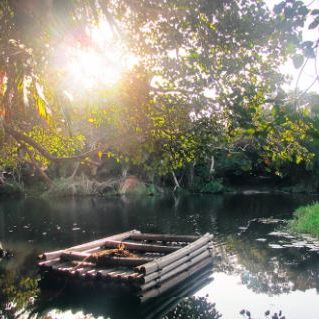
306	220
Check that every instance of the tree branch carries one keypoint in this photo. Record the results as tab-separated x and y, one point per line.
44	152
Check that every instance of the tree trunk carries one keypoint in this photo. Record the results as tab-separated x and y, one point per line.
124	172
77	165
45	177
177	185
192	174
212	164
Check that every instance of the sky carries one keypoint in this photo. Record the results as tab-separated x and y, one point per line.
308	74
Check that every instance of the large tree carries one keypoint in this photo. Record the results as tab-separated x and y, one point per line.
208	59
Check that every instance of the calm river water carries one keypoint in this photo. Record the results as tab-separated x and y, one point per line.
257	266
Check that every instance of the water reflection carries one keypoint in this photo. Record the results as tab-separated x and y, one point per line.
17	294
267	265
96	303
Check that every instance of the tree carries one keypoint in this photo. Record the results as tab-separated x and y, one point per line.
194	57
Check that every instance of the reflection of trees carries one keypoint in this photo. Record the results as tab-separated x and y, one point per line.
16	295
267	270
107	307
193	308
108	302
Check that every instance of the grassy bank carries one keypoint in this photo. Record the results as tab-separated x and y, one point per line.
306	220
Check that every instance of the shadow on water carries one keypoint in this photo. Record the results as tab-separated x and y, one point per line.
247	244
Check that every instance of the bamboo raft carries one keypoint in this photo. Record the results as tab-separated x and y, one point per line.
144	265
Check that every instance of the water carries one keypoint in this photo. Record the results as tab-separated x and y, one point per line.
257	266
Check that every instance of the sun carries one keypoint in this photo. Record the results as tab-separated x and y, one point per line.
96	60
89	69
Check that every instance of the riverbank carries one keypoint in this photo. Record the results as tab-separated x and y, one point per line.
133	185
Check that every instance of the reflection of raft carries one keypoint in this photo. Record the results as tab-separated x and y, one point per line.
145	265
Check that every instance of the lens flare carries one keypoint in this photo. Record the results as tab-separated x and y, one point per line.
100	62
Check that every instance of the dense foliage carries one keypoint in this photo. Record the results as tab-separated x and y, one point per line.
202	98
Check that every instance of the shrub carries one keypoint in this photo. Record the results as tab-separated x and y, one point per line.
213	186
11	189
306	220
81	186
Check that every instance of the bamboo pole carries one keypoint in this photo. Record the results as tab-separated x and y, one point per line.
104	260
161	262
123	261
164	237
175	263
89	245
159	278
174	281
77	263
187	260
140	247
116	275
48	263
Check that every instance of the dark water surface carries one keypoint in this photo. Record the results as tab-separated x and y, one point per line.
257	266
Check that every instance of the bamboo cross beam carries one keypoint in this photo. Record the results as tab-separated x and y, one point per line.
89	245
164	237
140	247
104	260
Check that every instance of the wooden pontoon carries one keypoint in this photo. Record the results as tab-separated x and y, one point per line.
144	265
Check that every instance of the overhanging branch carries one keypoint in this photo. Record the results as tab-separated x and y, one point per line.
43	151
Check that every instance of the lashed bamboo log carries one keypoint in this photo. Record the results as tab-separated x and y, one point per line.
89	245
116	275
164	237
166	260
48	263
81	263
104	260
90	273
175	263
167	275
173	267
140	247
136	278
156	291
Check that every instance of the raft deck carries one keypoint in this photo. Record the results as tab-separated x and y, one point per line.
145	265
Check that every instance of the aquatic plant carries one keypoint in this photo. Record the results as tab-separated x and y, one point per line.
306	220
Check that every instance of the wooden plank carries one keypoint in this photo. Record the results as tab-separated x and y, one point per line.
89	245
164	237
140	247
166	260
